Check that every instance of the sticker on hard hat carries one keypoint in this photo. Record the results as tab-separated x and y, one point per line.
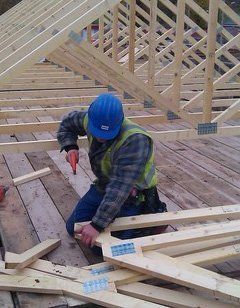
105	127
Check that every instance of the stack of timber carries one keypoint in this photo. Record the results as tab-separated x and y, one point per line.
181	257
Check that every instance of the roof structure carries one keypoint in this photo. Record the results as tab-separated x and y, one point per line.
178	79
174	67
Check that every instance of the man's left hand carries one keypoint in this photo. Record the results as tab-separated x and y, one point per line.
89	235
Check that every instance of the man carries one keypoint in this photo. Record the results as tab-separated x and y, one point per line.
122	159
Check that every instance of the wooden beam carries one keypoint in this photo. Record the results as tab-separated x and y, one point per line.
48	145
185	55
40	13
115	34
145	50
178	52
228	113
48	40
46	101
52	285
216	84
31	176
198	234
176	271
101	33
46	268
186	216
31	255
105	298
35	146
193	134
24	113
200	11
81	63
191	248
132	24
131	83
45	285
11	129
210	61
170	298
89	33
119	276
213	256
152	42
17	20
226	9
172	24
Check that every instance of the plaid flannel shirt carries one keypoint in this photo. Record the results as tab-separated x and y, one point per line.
128	163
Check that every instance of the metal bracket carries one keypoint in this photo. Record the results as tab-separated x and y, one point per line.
123	249
102	270
91	286
207	128
172	116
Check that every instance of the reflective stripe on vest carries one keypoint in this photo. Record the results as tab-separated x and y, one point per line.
148	177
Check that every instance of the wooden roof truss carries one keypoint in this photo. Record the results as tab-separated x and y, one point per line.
159	59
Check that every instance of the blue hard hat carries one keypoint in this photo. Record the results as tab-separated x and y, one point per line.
105	116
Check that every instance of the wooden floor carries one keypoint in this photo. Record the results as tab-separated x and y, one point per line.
192	174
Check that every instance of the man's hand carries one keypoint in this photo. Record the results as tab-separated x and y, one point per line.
89	235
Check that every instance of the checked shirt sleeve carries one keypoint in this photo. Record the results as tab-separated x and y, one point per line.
70	128
128	163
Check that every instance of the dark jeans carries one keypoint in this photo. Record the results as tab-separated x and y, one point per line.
88	205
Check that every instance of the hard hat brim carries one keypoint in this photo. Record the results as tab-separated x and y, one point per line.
101	133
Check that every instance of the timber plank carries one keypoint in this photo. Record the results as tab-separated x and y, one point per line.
197	180
207	163
29	256
51	93
32	176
